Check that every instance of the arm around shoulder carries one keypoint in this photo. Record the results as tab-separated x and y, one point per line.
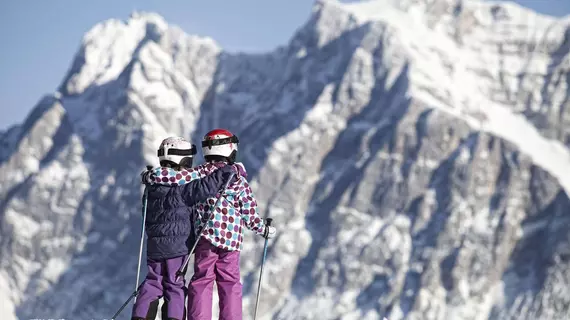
207	187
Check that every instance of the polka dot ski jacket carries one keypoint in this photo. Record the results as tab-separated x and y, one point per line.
237	210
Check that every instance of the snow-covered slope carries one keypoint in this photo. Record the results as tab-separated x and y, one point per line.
413	154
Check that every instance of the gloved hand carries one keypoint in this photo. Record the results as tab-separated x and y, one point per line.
147	176
269	232
227	170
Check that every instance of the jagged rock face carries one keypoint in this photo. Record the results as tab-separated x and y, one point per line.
415	167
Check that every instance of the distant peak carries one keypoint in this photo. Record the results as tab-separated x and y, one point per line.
366	10
108	48
151	17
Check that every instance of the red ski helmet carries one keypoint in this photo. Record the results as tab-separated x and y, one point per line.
220	143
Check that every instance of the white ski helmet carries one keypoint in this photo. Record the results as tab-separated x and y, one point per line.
221	143
176	149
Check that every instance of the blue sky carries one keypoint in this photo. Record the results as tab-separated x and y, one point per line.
39	38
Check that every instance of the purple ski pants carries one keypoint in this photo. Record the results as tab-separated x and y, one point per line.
212	263
159	282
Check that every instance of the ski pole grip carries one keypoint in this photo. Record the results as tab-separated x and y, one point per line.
268	221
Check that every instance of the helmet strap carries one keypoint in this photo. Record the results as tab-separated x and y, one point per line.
177	152
217	142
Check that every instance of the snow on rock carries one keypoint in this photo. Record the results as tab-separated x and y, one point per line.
412	154
108	47
7	309
37	139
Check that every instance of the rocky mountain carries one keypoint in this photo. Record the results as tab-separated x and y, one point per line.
414	155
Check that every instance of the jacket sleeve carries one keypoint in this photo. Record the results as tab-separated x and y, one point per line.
249	211
206	187
171	177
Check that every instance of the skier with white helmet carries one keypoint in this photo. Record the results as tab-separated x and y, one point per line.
219	244
169	225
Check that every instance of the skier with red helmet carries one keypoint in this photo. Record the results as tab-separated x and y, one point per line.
218	249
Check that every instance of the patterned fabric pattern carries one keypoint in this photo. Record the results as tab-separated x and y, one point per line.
169	176
236	210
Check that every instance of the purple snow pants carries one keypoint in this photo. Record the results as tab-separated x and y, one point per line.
212	263
159	282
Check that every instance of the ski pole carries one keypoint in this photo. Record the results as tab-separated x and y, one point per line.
137	286
145	201
181	271
134	294
267	224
